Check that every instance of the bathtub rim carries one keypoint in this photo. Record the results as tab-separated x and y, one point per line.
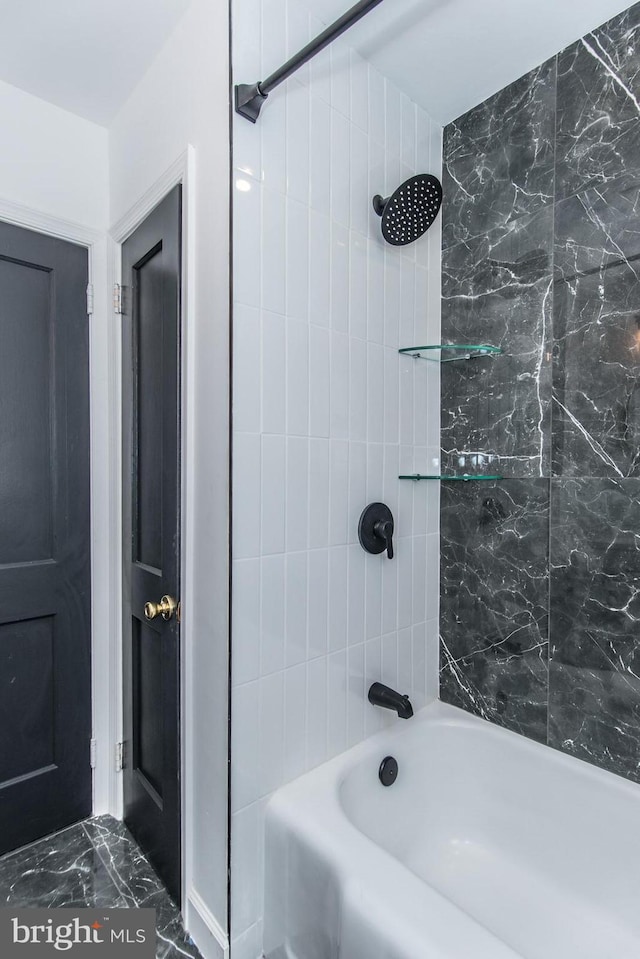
444	714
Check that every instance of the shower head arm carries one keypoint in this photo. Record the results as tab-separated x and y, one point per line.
379	204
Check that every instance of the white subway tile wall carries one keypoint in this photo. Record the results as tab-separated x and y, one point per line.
326	414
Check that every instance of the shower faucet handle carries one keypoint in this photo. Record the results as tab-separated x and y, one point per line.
384	529
375	529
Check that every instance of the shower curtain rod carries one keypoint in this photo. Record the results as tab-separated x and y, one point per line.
251	96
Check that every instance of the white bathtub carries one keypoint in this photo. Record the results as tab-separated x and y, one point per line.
488	846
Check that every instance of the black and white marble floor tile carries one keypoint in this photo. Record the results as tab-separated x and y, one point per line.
62	870
128	867
94	863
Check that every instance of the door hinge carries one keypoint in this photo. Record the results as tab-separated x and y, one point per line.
117	298
92	754
119	757
90	299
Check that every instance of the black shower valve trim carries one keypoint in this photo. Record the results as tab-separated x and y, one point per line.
375	529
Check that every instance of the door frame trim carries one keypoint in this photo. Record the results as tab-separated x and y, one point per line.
103	620
181	171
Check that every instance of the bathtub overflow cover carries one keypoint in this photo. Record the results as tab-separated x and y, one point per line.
388	772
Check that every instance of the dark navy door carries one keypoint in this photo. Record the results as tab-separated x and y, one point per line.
45	601
151	509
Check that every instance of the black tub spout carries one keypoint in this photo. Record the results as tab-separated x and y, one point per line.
380	695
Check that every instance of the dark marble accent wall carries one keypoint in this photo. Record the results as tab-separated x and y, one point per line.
495	576
540	572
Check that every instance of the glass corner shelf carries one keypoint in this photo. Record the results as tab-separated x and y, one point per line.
450	478
451	352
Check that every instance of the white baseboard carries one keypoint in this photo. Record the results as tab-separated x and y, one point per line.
204	928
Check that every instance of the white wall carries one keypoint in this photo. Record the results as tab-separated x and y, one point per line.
54	179
52	161
326	415
182	100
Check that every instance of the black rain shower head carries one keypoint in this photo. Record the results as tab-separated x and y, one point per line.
410	211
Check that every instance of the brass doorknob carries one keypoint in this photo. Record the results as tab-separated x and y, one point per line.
165	608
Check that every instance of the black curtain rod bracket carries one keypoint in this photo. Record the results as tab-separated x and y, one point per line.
249	100
251	96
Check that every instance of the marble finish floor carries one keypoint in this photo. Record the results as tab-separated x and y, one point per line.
96	863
